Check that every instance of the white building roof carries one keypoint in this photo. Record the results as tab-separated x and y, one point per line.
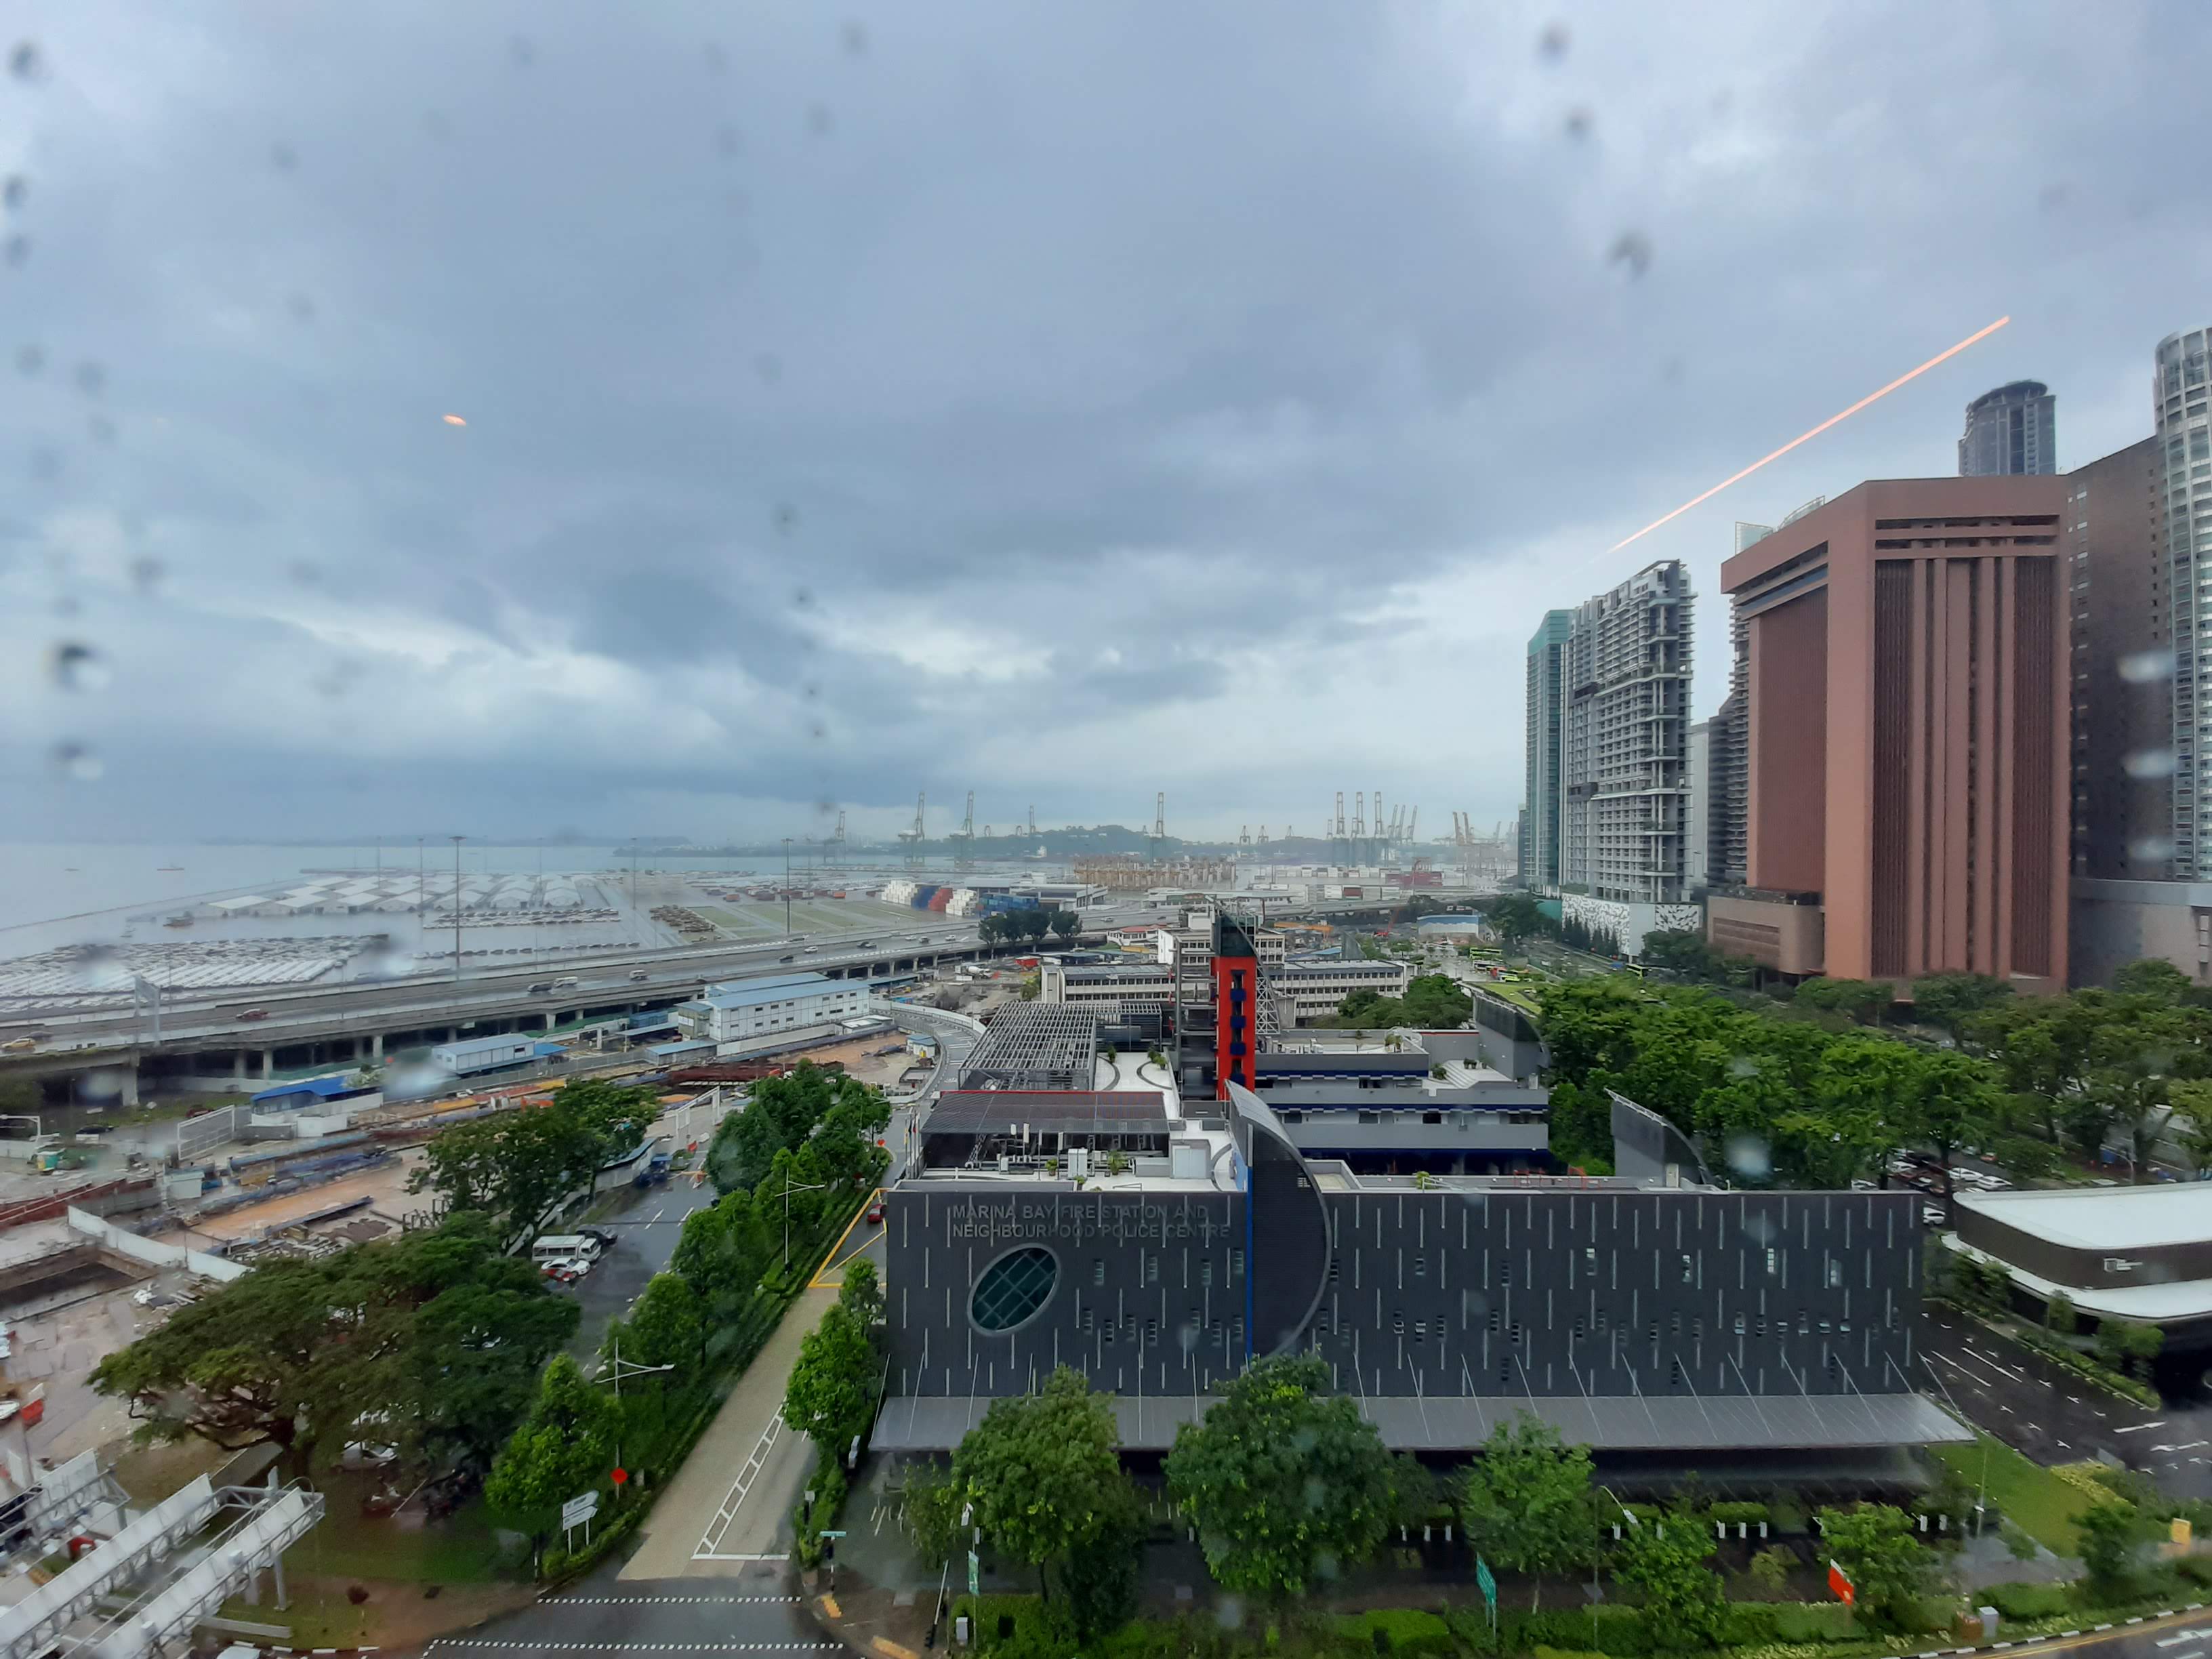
2104	1217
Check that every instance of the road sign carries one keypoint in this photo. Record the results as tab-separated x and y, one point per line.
1485	1581
618	1475
578	1510
975	1574
1841	1585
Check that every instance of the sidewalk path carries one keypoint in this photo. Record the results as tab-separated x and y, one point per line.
736	1491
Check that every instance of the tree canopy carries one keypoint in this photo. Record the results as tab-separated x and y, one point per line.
564	1449
513	1165
831	1389
429	1343
832	1118
1285	1481
1874	1546
1526	1500
1685	1608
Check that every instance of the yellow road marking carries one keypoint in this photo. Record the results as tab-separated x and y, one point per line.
891	1650
818	1283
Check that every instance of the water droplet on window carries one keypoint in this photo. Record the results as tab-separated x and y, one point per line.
102	428
2150	849
817	730
76	761
30	360
810	691
801	598
856	39
15	192
24	62
303	572
2148	763
105	1084
521	53
1578	123
819	120
146	573
283	157
91	380
786	520
2053	196
1631	251
1748	1156
1552	44
2145	667
16	249
301	307
76	666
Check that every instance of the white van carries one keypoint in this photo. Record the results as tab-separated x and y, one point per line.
566	983
564	1247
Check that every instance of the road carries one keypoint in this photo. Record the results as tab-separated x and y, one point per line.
757	1611
2057	1417
645	1234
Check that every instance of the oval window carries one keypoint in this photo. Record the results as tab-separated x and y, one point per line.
1013	1288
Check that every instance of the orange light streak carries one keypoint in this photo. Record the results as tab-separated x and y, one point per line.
1974	338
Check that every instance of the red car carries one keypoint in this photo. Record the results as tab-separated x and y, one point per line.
875	1210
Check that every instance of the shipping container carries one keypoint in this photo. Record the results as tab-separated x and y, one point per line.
944	896
922	896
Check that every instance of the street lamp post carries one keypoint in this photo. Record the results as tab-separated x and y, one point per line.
613	1372
457	841
789	1188
787	886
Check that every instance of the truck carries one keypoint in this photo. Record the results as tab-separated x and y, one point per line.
655	1173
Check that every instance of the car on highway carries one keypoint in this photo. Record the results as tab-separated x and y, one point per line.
254	1013
543	988
787	959
18	1045
639	973
875	1210
566	983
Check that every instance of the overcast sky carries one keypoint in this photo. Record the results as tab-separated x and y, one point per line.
1065	402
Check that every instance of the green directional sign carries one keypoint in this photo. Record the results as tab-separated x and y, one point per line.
975	1574
1484	1581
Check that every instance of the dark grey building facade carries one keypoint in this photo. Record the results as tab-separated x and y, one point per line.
2011	430
1634	1317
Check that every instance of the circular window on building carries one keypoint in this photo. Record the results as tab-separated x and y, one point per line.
1013	1288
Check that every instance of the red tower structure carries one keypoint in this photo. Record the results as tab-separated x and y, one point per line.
1236	1004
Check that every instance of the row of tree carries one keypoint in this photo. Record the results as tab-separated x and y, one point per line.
515	1166
810	1128
1029	922
1431	1002
1288	1488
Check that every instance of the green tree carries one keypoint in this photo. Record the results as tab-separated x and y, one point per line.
515	1165
1770	1568
1516	916
2191	1126
830	1394
1944	1103
930	1506
2134	1058
1066	924
434	1338
723	1251
2155	978
1435	1002
1284	1480
860	1294
1683	952
1684	1607
2059	1316
2143	1344
1043	1473
1864	1000
1526	1502
1874	1545
1951	1001
2105	1537
666	1326
564	1449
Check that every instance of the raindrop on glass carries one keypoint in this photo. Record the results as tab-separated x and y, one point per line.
1552	44
91	379
2148	763
75	666
30	360
1748	1155
146	573
99	967
856	39
308	575
717	59
1578	123
283	157
16	249
521	53
2150	849
102	428
819	120
801	598
301	307
15	192
75	762
810	691
1632	253
728	141
2145	667
786	520
24	62
1229	1613
100	1085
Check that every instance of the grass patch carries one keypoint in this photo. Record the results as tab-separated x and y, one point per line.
345	1543
2038	1502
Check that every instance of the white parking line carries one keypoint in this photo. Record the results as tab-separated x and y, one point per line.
709	1545
2137	1428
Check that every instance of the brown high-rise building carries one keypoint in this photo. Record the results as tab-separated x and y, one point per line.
2122	672
1907	793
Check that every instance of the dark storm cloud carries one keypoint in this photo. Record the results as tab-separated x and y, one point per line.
1028	397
